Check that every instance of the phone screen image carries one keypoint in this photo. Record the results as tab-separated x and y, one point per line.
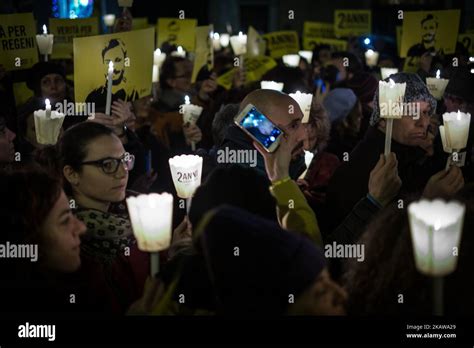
260	127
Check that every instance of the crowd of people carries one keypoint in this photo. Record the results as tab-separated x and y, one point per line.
253	242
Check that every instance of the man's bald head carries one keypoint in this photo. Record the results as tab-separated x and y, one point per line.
279	107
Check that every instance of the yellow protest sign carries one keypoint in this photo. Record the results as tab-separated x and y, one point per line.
411	64
175	31
204	54
255	43
18	41
429	30
318	29
336	45
255	68
280	43
352	22
132	55
21	92
467	40
140	23
64	30
399	37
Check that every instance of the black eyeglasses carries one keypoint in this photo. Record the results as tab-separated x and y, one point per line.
110	165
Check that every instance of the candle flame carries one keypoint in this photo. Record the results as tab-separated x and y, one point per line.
47	103
459	116
180	49
240	33
111	65
45	30
186	100
438	73
158	51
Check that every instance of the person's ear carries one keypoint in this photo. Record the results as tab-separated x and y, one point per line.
71	175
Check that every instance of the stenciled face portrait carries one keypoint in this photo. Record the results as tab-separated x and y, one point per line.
429	28
117	55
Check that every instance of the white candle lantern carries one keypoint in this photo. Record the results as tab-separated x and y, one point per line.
180	52
151	217
48	125
110	76
436	228
371	58
109	19
436	85
239	44
45	43
391	97
216	41
186	172
277	86
304	100
456	127
446	146
308	55
191	114
224	40
387	72
291	60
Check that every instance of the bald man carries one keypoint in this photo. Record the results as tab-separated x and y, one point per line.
283	111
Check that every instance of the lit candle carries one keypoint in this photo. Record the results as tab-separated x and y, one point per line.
186	173
456	126
308	55
45	43
180	52
239	44
291	60
277	86
109	20
191	114
391	96
437	85
151	217
371	58
387	72
110	74
48	124
158	58
304	100
224	40
216	41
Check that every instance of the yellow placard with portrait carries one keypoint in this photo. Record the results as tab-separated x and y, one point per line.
336	45
280	43
467	40
65	30
132	55
18	41
317	29
352	22
204	54
429	30
175	31
255	68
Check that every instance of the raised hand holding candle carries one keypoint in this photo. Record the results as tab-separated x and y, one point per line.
48	124
291	60
151	217
437	85
277	86
186	173
45	43
191	114
304	100
391	97
110	76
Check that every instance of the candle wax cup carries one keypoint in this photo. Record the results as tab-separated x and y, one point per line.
191	113
456	128
186	173
371	58
436	86
391	99
277	86
47	129
45	43
304	100
291	60
386	72
239	44
446	146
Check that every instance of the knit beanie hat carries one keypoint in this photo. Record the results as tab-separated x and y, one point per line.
338	103
38	71
254	264
461	84
416	90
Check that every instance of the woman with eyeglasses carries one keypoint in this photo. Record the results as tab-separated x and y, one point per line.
95	167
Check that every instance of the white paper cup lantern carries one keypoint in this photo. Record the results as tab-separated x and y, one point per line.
391	97
304	100
277	86
371	58
45	42
437	85
151	216
48	125
446	146
436	228
109	19
239	44
291	60
186	172
456	128
308	55
216	41
224	40
190	111
387	72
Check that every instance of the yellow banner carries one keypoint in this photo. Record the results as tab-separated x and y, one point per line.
18	41
175	31
65	30
255	68
280	43
467	40
336	45
255	43
352	22
132	55
140	23
318	29
204	54
429	30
